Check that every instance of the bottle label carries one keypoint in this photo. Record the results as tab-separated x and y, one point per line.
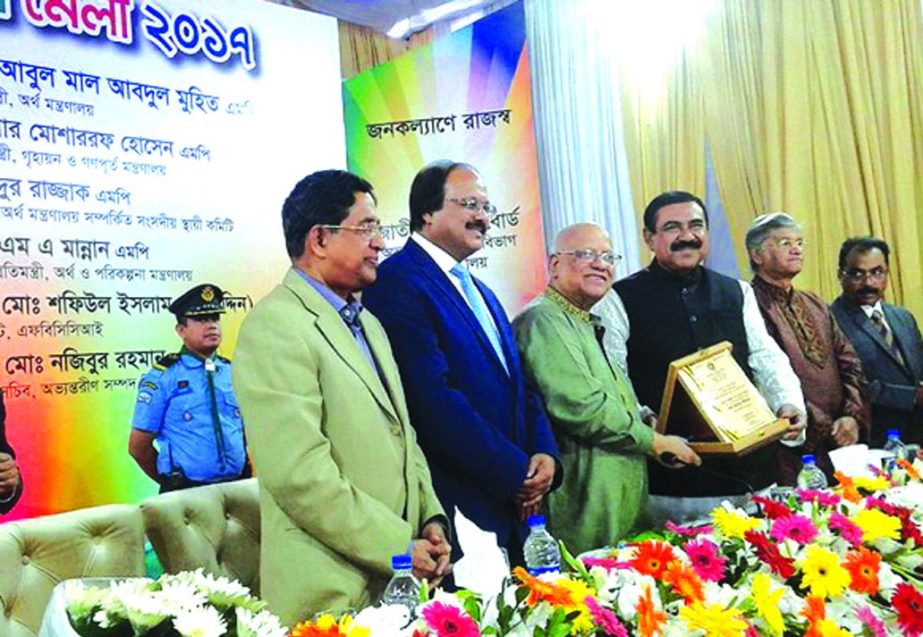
538	570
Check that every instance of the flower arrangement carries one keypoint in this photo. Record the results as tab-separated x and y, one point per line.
831	563
189	604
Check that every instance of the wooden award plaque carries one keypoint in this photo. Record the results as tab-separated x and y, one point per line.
709	400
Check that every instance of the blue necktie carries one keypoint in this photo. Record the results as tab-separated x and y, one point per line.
477	305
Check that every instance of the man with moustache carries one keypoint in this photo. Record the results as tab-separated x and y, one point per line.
671	309
343	484
885	337
186	404
486	436
803	326
593	410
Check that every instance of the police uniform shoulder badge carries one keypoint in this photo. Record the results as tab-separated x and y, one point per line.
224	359
167	361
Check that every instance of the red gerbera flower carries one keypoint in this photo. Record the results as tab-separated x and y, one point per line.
652	558
772	509
768	552
449	621
908	602
862	565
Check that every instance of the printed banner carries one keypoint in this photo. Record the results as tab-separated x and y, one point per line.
464	97
145	147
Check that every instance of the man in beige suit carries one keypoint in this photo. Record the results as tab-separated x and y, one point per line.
343	484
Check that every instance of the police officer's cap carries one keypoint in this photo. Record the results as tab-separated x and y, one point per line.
201	300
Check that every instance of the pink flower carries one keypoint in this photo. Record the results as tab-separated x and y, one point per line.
608	563
686	531
848	529
706	561
875	625
449	621
605	618
794	527
823	498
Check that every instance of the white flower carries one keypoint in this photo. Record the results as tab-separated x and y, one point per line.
145	611
383	621
262	624
81	600
178	595
200	622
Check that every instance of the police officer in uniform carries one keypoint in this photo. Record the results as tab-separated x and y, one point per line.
186	404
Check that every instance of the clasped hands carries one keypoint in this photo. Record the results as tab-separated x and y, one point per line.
539	477
431	554
9	476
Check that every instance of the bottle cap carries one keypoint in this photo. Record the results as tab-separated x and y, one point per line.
536	520
401	562
894	433
808	459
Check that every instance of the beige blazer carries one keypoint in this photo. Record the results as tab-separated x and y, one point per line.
343	483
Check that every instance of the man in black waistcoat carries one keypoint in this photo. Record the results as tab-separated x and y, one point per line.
675	307
10	480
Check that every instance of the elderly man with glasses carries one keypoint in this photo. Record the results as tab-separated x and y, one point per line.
885	337
803	326
486	436
589	400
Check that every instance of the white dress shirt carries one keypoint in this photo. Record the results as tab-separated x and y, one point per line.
446	262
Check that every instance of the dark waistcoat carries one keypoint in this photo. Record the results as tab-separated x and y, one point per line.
669	318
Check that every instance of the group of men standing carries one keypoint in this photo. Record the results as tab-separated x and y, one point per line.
377	399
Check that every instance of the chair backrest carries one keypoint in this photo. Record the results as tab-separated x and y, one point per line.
36	554
215	527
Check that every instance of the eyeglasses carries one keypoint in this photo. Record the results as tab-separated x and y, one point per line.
787	244
473	205
368	230
858	276
589	256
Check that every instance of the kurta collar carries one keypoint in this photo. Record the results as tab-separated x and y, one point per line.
662	273
778	294
562	302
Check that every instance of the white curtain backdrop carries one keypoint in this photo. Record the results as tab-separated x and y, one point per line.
583	168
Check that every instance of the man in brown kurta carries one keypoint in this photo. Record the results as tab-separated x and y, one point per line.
821	355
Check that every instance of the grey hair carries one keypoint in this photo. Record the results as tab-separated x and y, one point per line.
763	226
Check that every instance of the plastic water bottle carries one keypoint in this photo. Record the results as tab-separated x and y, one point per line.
540	549
810	476
894	449
403	589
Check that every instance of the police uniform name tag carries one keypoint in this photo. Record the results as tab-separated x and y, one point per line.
709	400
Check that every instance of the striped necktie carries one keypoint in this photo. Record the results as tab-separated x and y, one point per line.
886	336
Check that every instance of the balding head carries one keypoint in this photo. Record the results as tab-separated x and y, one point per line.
582	264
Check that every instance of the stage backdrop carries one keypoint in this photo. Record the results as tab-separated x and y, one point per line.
464	97
145	146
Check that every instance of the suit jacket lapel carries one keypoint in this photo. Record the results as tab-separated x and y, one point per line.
438	278
897	333
866	325
341	340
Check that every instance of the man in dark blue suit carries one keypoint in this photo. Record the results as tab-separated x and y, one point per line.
885	337
487	439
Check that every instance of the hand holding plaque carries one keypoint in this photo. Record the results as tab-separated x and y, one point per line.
709	399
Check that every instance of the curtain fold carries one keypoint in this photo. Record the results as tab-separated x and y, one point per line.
583	168
831	132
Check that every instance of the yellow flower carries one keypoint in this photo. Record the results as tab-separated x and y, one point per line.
767	602
582	624
351	629
878	483
828	628
714	620
875	524
732	524
823	574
